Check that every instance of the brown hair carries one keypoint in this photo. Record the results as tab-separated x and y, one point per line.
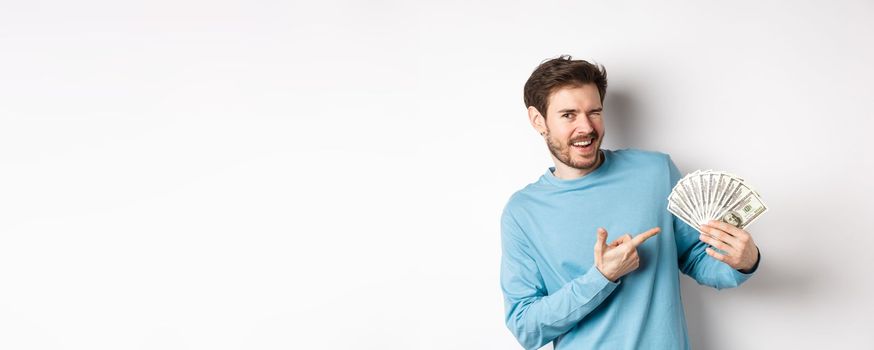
558	73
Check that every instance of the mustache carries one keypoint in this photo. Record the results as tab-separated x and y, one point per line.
592	135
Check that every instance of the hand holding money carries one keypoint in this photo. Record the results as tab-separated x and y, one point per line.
737	246
720	206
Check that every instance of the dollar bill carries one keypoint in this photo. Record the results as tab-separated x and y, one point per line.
744	207
705	195
679	210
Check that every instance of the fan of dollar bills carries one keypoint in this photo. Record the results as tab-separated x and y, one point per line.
706	195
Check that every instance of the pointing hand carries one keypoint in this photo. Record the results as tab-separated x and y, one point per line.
619	257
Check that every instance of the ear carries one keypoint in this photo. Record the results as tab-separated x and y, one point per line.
537	120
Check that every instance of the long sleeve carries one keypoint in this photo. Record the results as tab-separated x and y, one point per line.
532	315
692	257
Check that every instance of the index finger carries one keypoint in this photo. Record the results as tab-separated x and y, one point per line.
639	239
730	229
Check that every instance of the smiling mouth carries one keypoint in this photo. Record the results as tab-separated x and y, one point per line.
584	145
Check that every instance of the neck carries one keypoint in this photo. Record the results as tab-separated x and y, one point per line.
565	172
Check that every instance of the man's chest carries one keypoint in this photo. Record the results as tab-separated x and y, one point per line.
564	235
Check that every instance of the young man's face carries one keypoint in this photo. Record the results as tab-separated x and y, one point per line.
573	125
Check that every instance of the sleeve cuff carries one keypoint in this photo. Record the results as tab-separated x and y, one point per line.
755	266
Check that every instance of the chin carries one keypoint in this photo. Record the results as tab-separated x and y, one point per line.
589	163
587	166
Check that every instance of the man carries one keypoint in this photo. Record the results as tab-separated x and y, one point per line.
620	295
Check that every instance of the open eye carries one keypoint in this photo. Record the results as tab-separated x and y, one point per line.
566	115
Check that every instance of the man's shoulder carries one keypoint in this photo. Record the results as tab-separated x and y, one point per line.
642	163
521	196
640	155
522	199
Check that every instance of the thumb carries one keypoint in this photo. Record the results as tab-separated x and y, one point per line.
601	244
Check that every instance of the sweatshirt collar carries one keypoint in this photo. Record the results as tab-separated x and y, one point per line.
550	177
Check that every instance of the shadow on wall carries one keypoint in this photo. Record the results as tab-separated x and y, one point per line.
776	281
620	126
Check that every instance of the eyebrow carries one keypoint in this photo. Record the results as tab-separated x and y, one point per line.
574	110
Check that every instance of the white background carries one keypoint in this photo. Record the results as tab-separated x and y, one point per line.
273	175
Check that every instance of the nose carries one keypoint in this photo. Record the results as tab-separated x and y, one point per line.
583	126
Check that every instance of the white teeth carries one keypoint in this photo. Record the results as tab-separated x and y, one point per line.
584	143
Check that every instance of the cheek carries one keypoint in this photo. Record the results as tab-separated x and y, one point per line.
600	128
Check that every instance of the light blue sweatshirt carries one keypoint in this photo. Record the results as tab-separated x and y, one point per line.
552	289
